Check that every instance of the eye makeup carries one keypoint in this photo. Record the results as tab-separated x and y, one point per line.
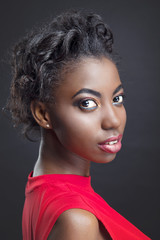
90	103
87	104
119	99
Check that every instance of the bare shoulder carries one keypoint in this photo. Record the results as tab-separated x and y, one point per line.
76	224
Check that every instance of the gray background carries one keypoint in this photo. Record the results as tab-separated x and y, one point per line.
130	184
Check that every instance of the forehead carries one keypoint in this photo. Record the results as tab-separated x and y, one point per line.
96	74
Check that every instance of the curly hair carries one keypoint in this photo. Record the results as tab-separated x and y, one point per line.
39	59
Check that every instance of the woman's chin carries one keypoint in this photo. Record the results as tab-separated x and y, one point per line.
109	157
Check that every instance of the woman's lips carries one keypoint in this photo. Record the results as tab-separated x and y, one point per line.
111	145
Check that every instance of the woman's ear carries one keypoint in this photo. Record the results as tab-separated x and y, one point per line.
40	114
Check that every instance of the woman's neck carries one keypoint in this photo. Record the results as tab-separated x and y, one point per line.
56	159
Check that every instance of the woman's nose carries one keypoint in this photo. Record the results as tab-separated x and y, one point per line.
111	117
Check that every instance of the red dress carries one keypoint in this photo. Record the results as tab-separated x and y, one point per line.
47	196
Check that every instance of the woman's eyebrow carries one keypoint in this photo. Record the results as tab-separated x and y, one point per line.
87	90
95	93
117	89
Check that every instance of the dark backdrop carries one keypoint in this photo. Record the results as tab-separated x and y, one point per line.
130	184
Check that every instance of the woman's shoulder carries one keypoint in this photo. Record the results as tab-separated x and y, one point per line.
76	222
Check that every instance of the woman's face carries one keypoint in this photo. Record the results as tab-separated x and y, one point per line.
88	117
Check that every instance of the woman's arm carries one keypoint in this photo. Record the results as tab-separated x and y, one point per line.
76	224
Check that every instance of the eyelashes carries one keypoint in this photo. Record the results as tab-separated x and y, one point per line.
91	104
88	104
119	99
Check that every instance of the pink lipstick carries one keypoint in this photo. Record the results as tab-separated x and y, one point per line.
112	144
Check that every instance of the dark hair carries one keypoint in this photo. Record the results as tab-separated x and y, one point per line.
39	58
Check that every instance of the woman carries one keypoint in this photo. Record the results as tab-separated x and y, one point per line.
66	84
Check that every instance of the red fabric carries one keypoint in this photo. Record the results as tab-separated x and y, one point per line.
47	196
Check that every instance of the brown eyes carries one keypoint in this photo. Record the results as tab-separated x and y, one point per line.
88	104
118	99
91	104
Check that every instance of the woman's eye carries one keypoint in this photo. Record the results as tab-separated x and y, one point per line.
88	104
118	99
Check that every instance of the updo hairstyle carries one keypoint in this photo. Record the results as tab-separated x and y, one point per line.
39	59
